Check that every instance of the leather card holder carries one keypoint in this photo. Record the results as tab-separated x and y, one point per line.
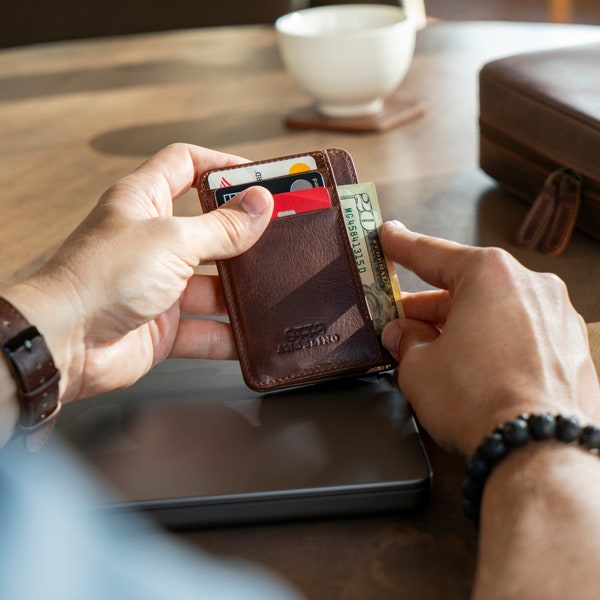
295	299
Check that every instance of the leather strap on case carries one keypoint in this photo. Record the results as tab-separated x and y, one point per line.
553	213
565	215
35	374
539	215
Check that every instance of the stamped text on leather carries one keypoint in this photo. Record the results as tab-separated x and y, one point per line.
306	336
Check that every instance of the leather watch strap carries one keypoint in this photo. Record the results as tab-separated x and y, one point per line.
35	373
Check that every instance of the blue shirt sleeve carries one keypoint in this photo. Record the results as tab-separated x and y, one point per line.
54	546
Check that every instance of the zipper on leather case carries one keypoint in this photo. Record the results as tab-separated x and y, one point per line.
556	205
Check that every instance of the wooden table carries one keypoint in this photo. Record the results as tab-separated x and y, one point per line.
76	116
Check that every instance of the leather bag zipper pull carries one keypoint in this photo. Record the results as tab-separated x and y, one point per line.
565	215
553	213
539	215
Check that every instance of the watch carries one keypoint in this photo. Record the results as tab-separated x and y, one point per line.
34	372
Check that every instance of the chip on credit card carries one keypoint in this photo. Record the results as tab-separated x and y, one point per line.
277	185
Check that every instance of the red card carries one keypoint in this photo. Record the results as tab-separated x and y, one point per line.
292	203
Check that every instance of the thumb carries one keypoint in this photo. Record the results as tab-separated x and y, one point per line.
401	335
234	227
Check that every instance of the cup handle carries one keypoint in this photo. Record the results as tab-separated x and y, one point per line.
415	9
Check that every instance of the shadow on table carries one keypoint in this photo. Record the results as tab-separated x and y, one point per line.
212	132
21	87
132	75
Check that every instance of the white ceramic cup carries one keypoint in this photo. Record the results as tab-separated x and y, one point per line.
347	57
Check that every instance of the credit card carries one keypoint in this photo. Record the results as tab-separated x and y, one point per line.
293	203
278	185
256	173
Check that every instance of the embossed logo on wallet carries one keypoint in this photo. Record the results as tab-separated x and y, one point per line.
303	337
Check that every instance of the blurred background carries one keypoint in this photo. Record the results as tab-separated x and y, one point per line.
32	21
573	11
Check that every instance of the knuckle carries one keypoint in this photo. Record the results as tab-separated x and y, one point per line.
218	341
556	288
497	259
492	262
554	281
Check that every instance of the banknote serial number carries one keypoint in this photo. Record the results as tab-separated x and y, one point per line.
364	223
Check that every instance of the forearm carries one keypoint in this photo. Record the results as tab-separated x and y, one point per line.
540	532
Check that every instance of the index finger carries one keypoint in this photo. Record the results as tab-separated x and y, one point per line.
436	261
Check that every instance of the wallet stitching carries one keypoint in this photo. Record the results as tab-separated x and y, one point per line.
303	374
362	302
226	277
346	158
333	368
358	286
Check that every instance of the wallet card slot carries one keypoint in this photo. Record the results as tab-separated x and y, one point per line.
298	311
210	200
320	158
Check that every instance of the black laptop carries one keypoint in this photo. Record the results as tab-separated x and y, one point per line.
192	445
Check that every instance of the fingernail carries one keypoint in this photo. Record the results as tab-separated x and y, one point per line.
254	201
391	336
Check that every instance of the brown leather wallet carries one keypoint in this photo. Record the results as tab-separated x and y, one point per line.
295	299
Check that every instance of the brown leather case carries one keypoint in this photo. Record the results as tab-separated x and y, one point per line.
540	138
295	299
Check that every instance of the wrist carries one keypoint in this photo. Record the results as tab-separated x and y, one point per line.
513	436
34	376
55	317
9	405
579	398
536	474
540	499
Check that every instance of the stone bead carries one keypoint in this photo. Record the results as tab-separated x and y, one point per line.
493	447
590	437
568	429
542	427
515	432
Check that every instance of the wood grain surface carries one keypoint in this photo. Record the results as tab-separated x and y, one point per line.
76	116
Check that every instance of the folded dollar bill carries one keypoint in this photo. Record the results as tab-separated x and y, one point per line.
362	217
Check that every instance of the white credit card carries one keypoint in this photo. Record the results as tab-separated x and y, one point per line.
257	172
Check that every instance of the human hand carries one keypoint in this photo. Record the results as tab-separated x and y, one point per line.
109	303
495	340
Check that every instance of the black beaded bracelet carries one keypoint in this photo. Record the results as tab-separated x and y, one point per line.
515	434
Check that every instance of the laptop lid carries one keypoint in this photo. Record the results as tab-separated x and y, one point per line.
193	446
